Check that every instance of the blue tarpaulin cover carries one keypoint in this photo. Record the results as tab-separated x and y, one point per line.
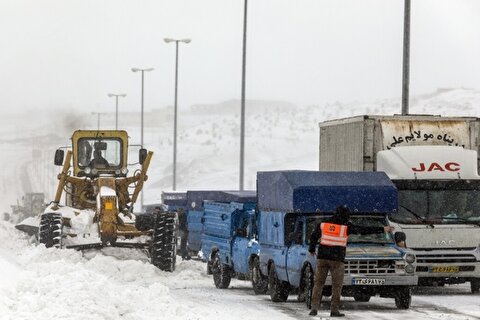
195	198
317	191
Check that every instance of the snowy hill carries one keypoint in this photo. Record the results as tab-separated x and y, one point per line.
279	135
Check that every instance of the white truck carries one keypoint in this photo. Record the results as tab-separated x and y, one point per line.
433	161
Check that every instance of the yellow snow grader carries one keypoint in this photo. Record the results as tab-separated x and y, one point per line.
99	197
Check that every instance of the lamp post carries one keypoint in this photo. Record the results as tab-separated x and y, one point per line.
98	118
406	59
242	109
141	125
168	40
123	95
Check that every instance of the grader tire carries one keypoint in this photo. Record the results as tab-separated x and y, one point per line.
50	232
163	249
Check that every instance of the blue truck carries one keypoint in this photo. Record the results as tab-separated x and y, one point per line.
228	242
196	211
291	204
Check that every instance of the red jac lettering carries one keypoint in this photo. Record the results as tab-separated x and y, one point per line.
422	167
452	166
434	166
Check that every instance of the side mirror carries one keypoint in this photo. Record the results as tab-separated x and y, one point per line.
400	238
142	155
59	154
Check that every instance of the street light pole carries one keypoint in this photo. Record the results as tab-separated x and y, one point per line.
175	112
98	118
116	106
406	59
141	125
242	113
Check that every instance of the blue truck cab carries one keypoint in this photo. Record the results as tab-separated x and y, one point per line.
291	204
228	242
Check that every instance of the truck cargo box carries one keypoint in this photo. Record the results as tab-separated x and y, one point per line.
221	219
195	207
352	144
316	191
195	198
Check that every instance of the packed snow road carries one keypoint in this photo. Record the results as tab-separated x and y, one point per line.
40	283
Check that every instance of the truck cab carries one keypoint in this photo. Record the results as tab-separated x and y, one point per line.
293	203
439	192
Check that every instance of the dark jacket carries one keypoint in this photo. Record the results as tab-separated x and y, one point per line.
337	253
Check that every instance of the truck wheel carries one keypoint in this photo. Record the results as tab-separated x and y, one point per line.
308	278
50	231
221	272
364	297
163	251
259	281
475	285
403	298
277	288
144	222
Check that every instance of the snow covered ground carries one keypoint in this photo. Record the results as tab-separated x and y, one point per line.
40	283
114	283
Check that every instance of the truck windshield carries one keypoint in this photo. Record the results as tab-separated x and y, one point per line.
438	206
360	221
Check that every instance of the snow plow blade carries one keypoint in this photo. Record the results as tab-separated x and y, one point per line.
29	226
99	245
30	230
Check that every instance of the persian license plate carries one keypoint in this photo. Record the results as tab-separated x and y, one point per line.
445	269
368	282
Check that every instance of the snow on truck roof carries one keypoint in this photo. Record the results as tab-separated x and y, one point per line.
312	191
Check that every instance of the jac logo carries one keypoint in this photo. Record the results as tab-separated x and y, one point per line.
331	228
435	166
445	242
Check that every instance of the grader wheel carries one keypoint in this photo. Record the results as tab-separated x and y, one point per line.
163	249
51	230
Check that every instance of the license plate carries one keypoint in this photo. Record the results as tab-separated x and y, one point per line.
447	269
368	282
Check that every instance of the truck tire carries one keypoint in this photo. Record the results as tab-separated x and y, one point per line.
50	232
308	282
144	222
475	285
362	297
222	273
277	288
163	251
403	298
259	281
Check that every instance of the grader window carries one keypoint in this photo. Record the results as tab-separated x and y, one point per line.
105	153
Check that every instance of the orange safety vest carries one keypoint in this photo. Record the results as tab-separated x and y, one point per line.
333	234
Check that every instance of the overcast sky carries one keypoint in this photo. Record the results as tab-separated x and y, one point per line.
70	53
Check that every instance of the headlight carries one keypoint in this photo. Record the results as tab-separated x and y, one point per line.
409	268
117	172
124	170
409	258
88	170
94	171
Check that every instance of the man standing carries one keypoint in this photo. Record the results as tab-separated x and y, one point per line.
333	235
